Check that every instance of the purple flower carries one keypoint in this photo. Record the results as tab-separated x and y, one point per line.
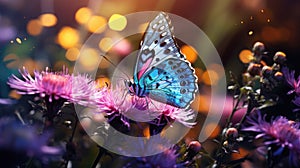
21	140
292	82
76	89
279	132
117	102
167	159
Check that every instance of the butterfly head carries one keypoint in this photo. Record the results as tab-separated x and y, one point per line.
130	85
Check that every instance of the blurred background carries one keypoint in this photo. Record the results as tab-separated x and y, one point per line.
40	33
50	33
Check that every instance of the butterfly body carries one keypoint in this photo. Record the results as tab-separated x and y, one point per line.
161	71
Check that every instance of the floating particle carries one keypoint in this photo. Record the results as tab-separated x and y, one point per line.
242	22
250	33
268	20
262	11
251	17
18	40
11	41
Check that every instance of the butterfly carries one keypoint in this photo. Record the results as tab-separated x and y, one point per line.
161	70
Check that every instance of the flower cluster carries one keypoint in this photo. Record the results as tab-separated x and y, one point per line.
265	93
116	102
280	133
265	87
58	85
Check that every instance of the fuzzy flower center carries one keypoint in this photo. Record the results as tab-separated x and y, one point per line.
54	82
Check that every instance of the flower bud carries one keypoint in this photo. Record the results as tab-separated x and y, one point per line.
278	76
194	146
226	144
254	69
279	58
193	149
258	49
266	71
246	77
232	132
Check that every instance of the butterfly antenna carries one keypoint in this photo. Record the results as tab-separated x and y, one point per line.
114	65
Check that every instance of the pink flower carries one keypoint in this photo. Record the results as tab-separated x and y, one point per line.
74	88
117	102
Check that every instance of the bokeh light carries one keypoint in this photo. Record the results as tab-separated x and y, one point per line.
89	58
190	53
83	15
48	19
105	44
102	82
72	54
246	56
34	27
210	77
199	73
14	94
122	47
201	103
31	65
117	22
96	24
11	60
68	37
250	33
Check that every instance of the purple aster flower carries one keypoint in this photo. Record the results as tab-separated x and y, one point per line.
279	132
23	141
291	80
116	102
167	159
74	88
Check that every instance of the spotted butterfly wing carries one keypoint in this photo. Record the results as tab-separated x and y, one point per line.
161	70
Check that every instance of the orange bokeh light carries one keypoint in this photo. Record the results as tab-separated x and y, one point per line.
83	15
190	53
246	56
72	54
34	27
48	19
96	24
68	37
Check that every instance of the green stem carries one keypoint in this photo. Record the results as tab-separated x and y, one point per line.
97	159
249	109
235	108
71	138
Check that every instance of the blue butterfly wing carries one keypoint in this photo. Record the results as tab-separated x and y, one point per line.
153	46
172	81
161	69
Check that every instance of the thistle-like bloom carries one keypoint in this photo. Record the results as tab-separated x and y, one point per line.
279	133
117	102
74	88
291	80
